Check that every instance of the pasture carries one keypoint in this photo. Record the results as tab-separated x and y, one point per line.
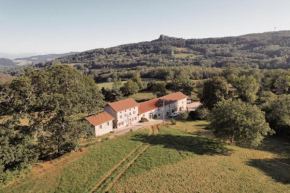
174	158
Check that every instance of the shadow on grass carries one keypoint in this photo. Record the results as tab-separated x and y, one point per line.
202	125
276	144
278	169
197	145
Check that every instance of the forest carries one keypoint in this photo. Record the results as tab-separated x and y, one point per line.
266	51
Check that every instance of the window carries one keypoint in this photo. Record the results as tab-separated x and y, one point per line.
120	116
108	123
100	126
134	107
125	110
130	113
133	112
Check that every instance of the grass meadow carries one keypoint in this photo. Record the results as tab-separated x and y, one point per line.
180	158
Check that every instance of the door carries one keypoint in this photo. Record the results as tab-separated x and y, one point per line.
150	116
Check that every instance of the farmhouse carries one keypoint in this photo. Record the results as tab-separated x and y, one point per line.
102	122
125	112
155	108
128	112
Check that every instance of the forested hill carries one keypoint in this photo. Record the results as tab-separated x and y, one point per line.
264	50
43	58
6	62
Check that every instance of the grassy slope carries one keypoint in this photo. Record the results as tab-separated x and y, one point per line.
78	171
182	158
170	166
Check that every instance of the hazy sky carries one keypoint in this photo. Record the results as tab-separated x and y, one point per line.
57	26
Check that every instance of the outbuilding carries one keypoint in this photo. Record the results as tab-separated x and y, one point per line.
102	122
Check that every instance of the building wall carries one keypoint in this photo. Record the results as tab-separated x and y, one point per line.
169	108
107	127
124	118
157	112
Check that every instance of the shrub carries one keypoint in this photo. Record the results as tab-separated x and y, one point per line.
173	121
143	119
199	114
184	116
202	113
155	117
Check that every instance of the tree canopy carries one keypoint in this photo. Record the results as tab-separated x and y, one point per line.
239	122
214	90
278	114
50	100
247	87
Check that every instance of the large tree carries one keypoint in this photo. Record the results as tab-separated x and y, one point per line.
51	99
278	114
247	87
137	79
239	122
130	88
17	147
183	84
214	90
158	88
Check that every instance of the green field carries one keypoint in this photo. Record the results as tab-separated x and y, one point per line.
143	96
108	84
179	158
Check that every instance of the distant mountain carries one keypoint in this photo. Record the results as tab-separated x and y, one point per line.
6	62
13	56
40	58
263	50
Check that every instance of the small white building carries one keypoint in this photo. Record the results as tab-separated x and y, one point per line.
102	122
124	111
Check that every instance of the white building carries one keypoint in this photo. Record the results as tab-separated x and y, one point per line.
125	112
128	112
175	102
102	122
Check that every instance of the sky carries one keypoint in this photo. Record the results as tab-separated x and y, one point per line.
59	26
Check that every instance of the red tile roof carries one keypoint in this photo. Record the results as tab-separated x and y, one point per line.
100	118
123	104
173	97
158	102
149	105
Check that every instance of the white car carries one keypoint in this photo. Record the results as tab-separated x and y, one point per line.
173	114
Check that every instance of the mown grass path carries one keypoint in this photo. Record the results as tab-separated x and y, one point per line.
107	183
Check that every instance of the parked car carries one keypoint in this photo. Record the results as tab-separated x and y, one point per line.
175	114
